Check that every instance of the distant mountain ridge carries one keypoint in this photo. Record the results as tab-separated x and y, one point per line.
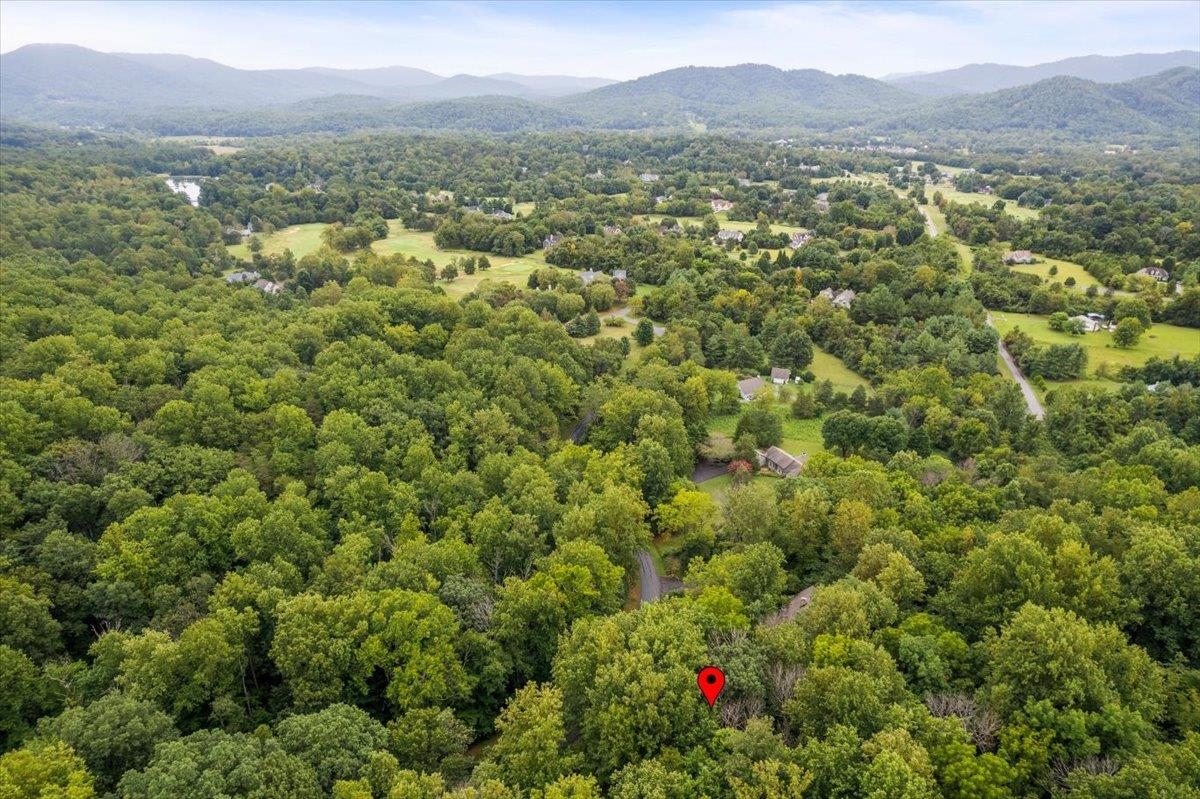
178	94
981	78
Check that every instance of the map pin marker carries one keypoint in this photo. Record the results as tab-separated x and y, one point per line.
711	680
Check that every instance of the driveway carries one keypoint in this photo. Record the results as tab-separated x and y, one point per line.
1031	398
624	313
648	579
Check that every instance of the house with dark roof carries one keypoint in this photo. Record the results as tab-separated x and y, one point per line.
1156	272
779	375
780	462
749	387
241	277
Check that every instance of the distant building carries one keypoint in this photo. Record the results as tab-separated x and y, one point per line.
749	387
1156	272
662	198
720	205
779	375
842	298
1091	322
822	202
241	277
267	287
612	230
551	240
588	276
501	214
745	182
730	235
780	462
798	240
648	177
620	274
1018	257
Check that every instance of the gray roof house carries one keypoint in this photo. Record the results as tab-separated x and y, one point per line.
620	274
749	387
267	287
780	462
779	375
730	235
1156	272
241	277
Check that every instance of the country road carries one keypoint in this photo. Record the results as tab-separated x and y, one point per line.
929	226
648	579
623	312
1031	399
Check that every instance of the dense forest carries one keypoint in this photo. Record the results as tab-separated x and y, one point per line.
379	532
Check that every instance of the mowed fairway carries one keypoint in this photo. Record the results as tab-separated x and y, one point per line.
300	239
1161	340
420	245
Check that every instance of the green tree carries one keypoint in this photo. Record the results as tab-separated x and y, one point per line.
1127	332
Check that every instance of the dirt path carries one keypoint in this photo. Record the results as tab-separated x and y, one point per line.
624	313
1031	398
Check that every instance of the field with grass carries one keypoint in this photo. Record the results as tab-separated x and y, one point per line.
828	367
966	198
1161	340
300	239
719	487
1066	269
725	223
420	245
799	435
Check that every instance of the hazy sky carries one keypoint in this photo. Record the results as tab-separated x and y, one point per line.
611	39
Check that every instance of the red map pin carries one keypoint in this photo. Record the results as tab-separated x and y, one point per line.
711	680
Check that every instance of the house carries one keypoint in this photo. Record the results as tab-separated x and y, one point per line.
745	182
730	235
648	177
611	230
841	299
749	387
588	276
1090	323
551	240
1018	257
780	462
822	202
719	205
779	375
597	175
798	240
1156	272
501	214
241	277
620	274
267	287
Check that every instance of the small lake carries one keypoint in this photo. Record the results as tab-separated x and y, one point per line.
188	188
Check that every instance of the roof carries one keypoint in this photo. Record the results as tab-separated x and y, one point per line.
779	373
730	235
620	274
781	461
750	385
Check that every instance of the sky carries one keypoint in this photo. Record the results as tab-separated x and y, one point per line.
617	40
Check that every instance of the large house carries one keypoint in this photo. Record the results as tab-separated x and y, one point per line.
780	462
719	205
1156	272
749	387
1018	257
242	277
648	177
730	235
779	375
842	298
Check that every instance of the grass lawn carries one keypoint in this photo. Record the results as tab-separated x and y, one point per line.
799	435
1161	340
300	239
718	487
966	198
1066	269
828	367
420	245
523	208
725	223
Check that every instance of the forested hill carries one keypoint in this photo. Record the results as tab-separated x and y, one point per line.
180	95
1164	103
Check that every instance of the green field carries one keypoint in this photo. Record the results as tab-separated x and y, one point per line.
799	435
1066	269
966	198
420	245
718	487
725	223
300	239
828	367
1161	340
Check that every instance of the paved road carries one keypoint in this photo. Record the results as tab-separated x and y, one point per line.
648	579
929	226
1031	399
797	603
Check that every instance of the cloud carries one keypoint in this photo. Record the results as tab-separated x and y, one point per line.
619	40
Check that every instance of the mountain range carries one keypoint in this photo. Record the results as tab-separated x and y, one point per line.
1088	97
